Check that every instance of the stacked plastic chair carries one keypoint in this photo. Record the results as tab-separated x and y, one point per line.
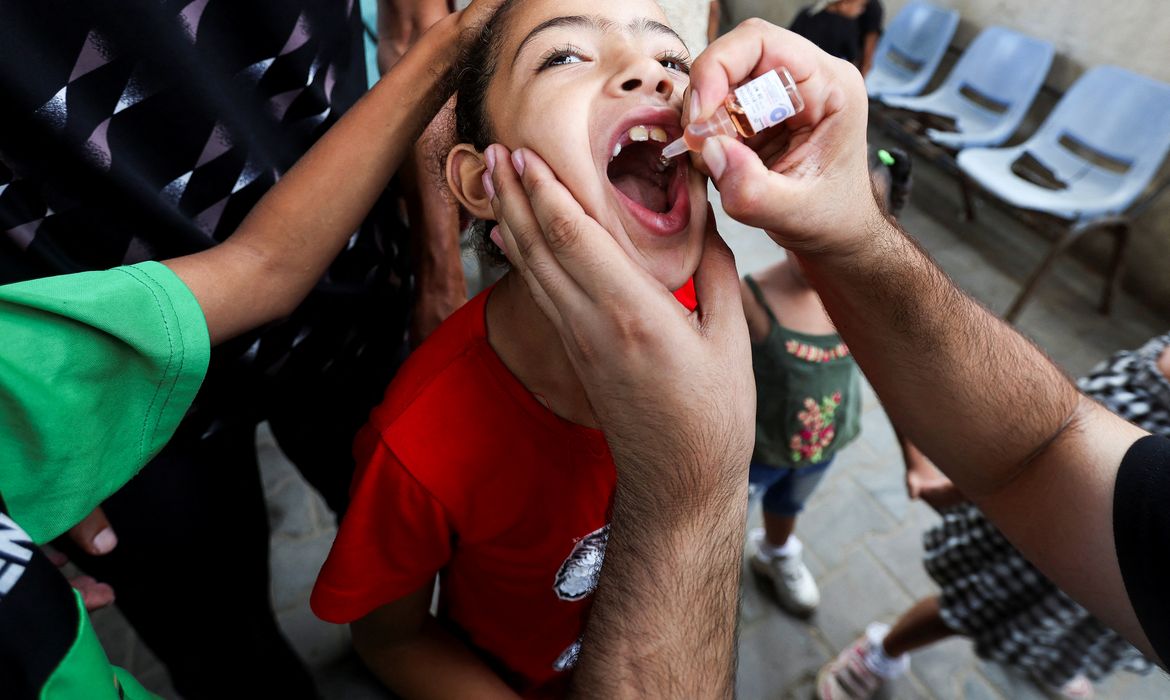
911	49
1089	164
989	91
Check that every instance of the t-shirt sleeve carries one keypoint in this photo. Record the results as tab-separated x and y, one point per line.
871	19
96	371
1141	531
394	538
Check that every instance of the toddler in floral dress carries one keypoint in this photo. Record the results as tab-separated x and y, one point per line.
808	401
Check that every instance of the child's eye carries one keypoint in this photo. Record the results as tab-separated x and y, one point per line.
675	62
561	56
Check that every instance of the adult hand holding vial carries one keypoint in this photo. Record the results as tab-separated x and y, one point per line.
756	105
806	182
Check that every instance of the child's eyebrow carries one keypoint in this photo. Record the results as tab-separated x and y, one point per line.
601	24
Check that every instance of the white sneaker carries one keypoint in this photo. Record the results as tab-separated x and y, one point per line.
855	674
795	587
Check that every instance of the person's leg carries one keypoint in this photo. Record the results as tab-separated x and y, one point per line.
882	653
778	528
777	551
920	626
190	571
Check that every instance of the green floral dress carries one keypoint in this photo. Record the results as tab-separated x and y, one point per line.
808	395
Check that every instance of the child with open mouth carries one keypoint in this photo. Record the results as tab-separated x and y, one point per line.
484	465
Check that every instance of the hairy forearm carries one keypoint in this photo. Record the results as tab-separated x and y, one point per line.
968	390
288	240
432	664
664	618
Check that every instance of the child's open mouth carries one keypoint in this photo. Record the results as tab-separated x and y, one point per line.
655	192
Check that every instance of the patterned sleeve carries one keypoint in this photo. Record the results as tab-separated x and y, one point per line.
1141	530
394	538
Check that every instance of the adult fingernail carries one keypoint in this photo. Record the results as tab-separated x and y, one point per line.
497	237
695	109
488	187
714	157
105	541
489	155
518	161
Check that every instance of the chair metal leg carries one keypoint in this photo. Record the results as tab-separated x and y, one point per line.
1120	233
1042	269
968	198
1117	225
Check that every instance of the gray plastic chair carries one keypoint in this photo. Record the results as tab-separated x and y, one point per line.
911	49
989	91
1089	163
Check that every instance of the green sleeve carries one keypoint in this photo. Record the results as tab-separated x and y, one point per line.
96	371
85	671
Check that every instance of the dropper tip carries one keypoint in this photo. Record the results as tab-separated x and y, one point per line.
675	149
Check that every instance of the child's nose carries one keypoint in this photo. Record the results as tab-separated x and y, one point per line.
647	75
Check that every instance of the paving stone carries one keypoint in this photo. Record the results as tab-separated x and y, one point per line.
900	553
1152	686
157	681
294	565
1009	682
975	688
776	655
833	525
940	667
317	642
855	595
275	468
878	435
295	510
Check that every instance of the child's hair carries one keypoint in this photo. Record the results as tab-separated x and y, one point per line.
892	166
473	75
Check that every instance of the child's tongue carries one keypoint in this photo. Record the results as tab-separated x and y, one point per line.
642	190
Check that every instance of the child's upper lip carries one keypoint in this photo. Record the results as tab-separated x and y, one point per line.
667	118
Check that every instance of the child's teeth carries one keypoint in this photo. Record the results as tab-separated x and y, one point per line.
639	133
617	148
658	134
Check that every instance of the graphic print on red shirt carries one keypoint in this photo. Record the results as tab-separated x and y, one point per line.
462	472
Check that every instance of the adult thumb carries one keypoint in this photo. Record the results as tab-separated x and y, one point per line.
751	193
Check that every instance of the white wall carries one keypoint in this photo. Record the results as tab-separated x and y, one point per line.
1134	34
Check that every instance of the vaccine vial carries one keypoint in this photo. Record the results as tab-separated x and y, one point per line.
754	106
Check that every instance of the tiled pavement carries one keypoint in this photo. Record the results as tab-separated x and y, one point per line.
862	535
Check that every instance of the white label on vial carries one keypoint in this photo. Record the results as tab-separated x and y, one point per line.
765	102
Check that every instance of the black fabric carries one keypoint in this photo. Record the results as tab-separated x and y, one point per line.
38	614
836	34
1141	530
194	583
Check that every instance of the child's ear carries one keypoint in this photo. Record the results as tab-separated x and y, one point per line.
465	169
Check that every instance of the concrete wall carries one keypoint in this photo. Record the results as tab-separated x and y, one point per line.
1134	34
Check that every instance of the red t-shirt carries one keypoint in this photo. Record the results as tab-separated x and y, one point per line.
462	471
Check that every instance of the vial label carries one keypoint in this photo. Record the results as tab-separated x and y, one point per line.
765	102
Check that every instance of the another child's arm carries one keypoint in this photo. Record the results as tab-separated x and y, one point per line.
924	481
416	657
757	317
288	240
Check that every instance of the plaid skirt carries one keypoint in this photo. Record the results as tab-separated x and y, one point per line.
1011	611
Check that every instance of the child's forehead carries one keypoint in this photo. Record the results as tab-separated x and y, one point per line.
529	17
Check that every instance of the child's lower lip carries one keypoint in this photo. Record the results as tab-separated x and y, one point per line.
671	222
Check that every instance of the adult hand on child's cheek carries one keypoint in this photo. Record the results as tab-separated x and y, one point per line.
668	386
805	181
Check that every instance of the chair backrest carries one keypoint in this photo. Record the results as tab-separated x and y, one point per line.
1113	125
916	39
1001	71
